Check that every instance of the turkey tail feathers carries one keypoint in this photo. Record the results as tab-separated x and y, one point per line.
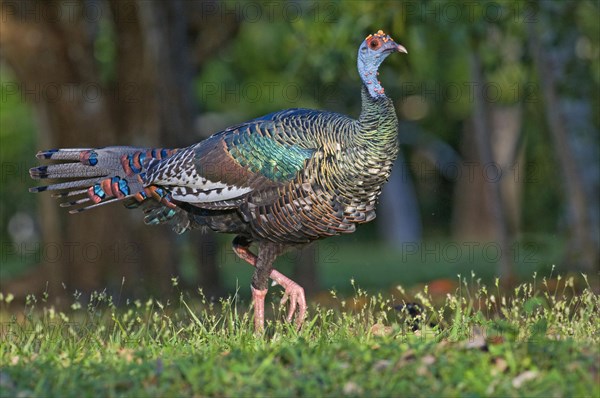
61	154
95	177
66	170
64	186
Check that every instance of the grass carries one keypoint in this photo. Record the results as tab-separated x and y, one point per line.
540	339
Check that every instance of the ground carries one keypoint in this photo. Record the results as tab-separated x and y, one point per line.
540	339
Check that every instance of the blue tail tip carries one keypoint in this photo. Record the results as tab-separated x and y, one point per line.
47	154
40	171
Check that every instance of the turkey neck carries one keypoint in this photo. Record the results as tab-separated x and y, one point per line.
376	139
378	125
359	175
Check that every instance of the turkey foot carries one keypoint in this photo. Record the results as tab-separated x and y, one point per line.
294	293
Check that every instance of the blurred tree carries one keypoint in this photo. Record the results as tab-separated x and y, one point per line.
568	115
303	54
123	73
492	201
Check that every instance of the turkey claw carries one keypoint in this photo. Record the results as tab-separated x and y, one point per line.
294	293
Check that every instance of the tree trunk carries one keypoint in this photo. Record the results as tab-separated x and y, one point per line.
54	61
472	215
582	250
148	103
482	128
401	223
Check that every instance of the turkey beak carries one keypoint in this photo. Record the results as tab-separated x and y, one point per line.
401	49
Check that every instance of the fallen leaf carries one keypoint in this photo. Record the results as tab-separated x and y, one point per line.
380	330
524	377
500	365
428	360
408	355
351	388
495	340
477	340
381	365
126	353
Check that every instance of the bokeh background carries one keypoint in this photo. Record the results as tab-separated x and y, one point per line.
498	101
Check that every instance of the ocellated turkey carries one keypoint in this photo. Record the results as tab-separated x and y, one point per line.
281	181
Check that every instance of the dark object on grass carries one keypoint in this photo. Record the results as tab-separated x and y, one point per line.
282	180
413	312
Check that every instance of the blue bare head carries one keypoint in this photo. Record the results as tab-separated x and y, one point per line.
371	54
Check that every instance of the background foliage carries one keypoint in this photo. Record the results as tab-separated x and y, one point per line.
258	57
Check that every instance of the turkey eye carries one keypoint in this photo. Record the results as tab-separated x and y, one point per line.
374	44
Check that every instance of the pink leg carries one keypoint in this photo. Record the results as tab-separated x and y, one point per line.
258	298
293	292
